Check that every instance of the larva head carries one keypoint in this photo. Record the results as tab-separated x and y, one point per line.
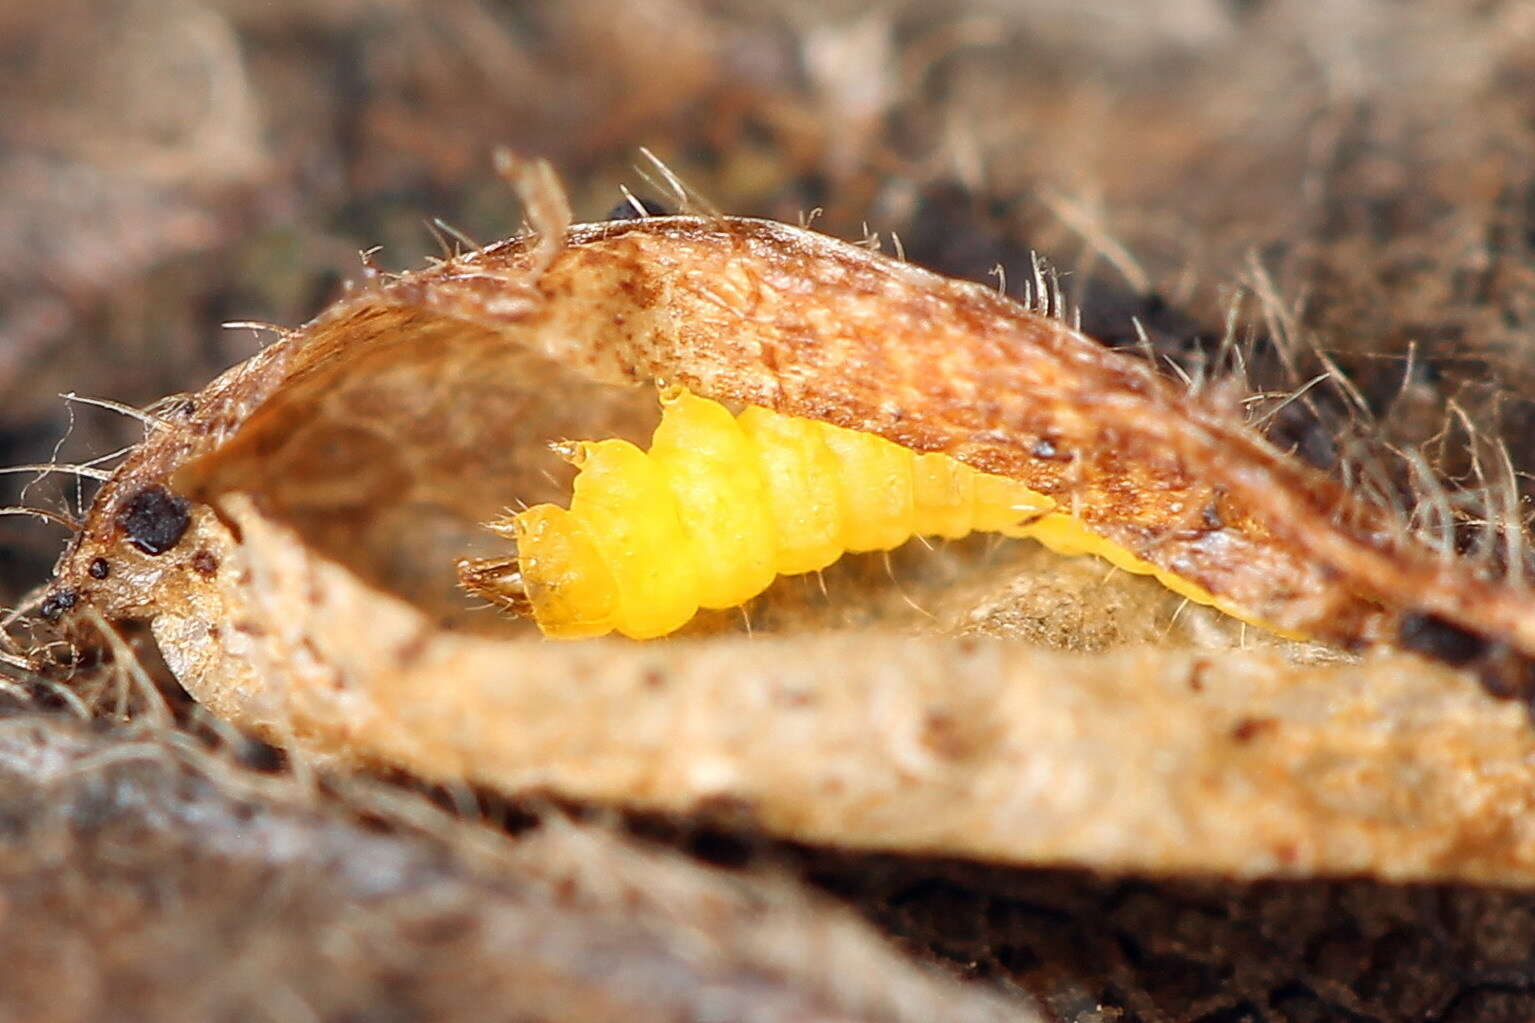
498	580
570	592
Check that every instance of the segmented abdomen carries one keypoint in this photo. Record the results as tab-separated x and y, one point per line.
721	504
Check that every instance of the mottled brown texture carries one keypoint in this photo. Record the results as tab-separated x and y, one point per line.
1092	947
378	906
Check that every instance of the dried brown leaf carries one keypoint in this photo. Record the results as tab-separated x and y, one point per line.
337	476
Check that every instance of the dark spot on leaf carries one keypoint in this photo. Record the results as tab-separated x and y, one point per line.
1506	673
1248	729
727	809
1432	636
154	519
720	848
57	603
257	755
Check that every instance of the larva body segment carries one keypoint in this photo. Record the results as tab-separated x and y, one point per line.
943	496
623	499
711	467
876	489
800	486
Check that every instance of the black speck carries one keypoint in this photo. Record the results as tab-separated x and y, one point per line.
1047	449
720	848
257	755
1507	674
205	563
626	211
1432	636
56	604
1248	728
154	519
99	569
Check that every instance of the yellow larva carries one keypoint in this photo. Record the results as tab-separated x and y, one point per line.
721	505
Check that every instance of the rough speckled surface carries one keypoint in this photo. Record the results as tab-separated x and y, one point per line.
139	880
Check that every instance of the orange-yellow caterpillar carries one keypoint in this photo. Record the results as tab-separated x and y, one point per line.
721	505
